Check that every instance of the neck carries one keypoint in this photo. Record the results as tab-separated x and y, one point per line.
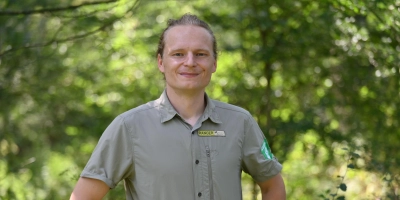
190	106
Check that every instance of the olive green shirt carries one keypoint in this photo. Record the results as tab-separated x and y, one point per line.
161	157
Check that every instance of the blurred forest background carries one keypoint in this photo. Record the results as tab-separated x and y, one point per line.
322	78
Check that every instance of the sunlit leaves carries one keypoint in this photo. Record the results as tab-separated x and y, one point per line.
315	74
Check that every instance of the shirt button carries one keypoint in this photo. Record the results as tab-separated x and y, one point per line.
199	194
197	162
192	132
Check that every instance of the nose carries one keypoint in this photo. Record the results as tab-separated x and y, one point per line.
189	62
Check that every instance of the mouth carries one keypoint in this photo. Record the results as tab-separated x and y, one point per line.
188	74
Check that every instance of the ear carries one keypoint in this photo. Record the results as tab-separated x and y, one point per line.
214	66
160	63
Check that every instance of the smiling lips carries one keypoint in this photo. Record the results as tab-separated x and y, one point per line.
188	74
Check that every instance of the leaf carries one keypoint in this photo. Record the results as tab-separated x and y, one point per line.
355	155
327	191
343	187
351	166
341	198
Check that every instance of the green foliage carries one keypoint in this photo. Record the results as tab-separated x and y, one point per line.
316	75
343	187
340	198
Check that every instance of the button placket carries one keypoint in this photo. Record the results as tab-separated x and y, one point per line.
196	165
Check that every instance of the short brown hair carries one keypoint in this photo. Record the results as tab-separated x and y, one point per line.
186	19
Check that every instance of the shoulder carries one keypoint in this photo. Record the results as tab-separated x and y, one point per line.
230	109
148	109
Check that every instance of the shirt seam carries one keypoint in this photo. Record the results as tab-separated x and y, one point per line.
133	111
130	142
92	174
263	176
245	112
244	137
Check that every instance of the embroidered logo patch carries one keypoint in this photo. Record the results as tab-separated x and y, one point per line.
266	151
211	133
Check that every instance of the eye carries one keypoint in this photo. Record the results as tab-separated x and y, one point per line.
178	54
201	54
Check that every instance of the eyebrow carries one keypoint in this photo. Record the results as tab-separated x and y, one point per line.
181	49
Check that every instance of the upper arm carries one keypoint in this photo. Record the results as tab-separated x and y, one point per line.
273	188
258	160
88	188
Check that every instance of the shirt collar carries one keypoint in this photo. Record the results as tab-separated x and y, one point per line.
167	111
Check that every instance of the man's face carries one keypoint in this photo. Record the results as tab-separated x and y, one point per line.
187	60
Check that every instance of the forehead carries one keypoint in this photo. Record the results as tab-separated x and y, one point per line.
187	35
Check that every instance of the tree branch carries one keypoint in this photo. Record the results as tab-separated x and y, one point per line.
76	16
377	16
393	28
74	37
55	9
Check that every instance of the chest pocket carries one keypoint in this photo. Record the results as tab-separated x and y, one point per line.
222	159
210	171
210	150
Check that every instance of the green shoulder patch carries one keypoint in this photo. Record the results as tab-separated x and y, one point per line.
266	151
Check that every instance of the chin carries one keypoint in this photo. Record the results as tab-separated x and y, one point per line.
191	88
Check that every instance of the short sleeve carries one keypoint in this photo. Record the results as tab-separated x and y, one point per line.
258	160
112	159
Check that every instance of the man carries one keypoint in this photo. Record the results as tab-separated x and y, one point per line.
184	145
